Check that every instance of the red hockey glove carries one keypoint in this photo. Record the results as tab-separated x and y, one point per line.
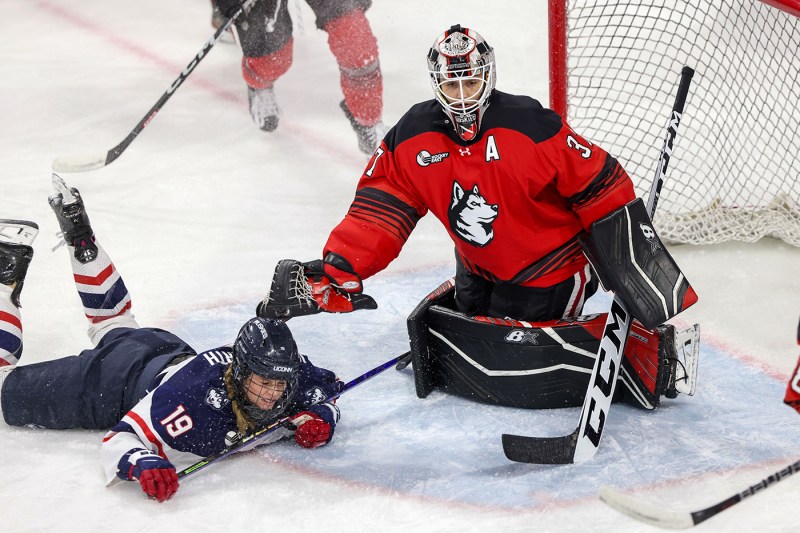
312	431
155	474
335	286
308	288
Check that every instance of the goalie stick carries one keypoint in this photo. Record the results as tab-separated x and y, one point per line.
581	445
683	520
86	162
250	441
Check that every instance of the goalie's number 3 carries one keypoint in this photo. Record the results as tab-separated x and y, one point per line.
586	151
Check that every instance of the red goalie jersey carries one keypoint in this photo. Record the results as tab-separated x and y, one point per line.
792	397
513	199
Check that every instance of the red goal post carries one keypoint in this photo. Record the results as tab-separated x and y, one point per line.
736	174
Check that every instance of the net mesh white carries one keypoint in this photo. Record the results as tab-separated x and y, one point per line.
735	170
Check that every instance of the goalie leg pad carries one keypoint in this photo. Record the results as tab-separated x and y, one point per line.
426	369
631	260
540	365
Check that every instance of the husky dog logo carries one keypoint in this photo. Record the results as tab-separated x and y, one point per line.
471	216
217	398
316	395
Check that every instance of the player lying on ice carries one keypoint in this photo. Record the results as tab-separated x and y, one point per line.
525	199
167	406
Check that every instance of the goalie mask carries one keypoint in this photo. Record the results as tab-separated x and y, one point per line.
265	369
462	70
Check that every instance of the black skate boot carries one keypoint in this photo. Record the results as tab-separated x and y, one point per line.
369	137
68	206
16	252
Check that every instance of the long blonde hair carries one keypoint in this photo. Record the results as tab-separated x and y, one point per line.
243	423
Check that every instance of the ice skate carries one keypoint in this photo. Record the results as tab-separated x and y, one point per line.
263	108
369	137
16	252
217	18
68	206
681	355
217	21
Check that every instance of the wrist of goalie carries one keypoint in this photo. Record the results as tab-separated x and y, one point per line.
335	286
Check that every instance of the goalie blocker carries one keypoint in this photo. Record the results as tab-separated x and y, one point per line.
541	365
631	261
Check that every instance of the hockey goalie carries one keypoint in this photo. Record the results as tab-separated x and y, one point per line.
528	203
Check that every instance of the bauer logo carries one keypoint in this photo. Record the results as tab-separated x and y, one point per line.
650	236
521	336
424	158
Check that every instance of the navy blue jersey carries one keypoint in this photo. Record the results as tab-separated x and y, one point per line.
189	416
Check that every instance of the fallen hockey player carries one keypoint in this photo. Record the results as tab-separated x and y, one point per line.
167	406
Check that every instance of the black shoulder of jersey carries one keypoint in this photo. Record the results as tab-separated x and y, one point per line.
523	114
421	118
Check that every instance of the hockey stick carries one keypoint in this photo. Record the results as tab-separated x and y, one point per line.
683	520
251	440
581	445
86	162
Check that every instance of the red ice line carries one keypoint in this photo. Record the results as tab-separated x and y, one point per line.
307	135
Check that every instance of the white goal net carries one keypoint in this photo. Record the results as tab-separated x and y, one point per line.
735	170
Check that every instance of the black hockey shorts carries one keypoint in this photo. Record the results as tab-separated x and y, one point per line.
478	296
268	26
94	389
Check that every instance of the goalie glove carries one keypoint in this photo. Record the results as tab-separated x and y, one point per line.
308	288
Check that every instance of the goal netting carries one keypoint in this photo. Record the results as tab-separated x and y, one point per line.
735	173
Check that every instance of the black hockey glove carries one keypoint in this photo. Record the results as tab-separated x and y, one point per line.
328	285
228	7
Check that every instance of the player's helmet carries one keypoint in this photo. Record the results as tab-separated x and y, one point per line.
265	347
462	70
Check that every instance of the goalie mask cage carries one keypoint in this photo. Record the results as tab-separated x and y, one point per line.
736	174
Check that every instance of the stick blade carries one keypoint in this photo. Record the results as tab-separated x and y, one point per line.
645	512
80	163
541	450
